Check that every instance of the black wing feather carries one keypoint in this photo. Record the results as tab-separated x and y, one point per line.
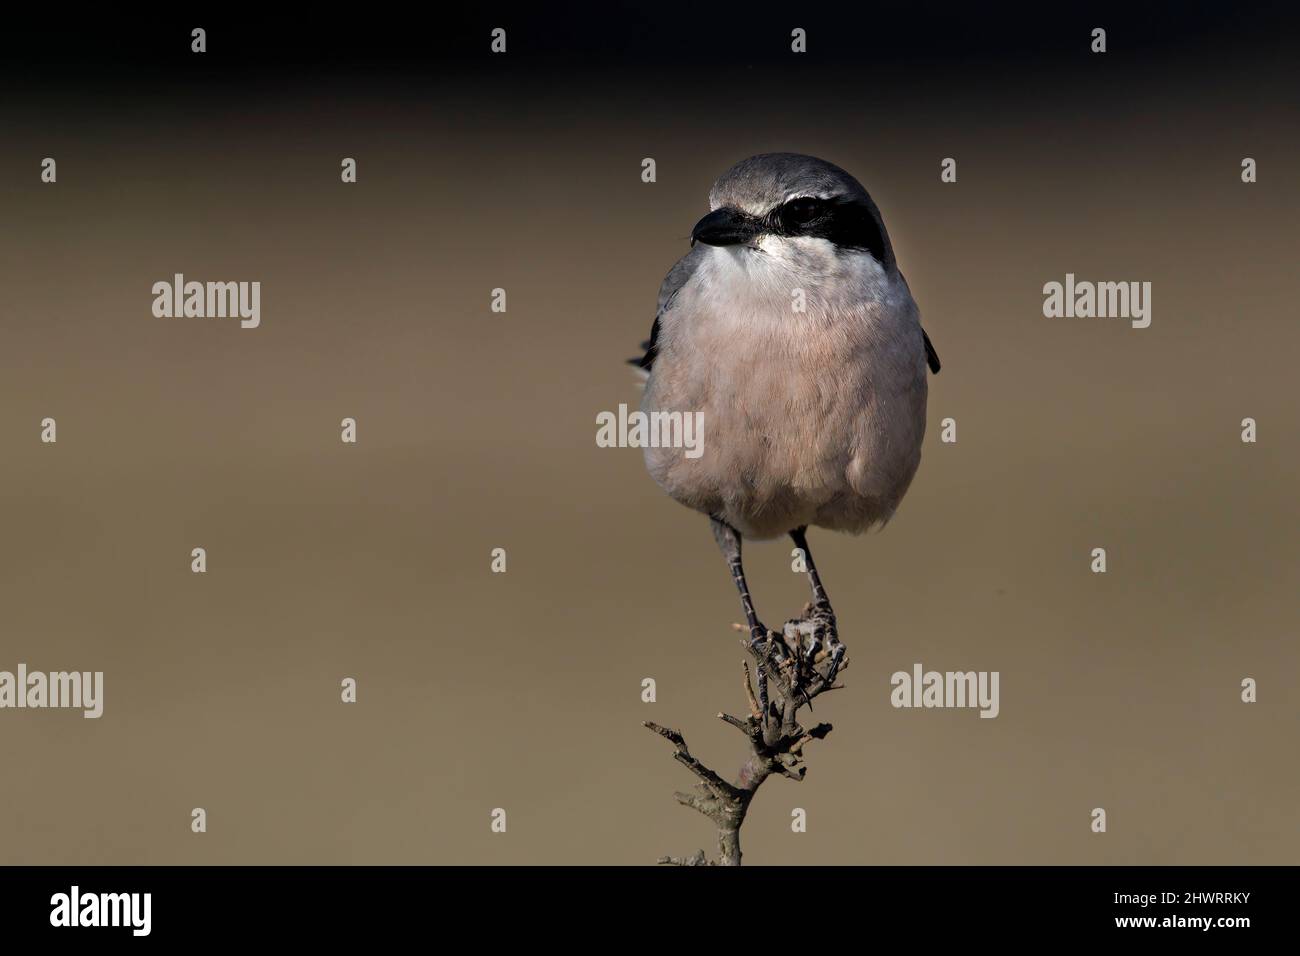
931	356
651	346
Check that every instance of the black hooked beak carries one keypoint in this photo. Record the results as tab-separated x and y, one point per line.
726	227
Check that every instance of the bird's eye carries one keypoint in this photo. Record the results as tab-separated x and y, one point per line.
802	210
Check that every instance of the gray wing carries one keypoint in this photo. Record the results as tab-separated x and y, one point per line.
677	277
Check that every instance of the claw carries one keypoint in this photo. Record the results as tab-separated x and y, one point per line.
836	656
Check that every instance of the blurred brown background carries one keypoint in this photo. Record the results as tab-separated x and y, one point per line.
476	431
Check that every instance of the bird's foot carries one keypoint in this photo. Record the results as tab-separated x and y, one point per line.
774	661
833	644
820	641
802	639
791	657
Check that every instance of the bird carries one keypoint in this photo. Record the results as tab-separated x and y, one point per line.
790	330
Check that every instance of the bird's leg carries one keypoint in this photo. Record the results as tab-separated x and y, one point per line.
728	539
823	616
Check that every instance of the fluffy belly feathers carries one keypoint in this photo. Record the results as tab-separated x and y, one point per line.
800	429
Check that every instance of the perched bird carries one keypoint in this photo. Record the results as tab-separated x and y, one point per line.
789	326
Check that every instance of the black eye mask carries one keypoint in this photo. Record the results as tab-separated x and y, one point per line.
847	223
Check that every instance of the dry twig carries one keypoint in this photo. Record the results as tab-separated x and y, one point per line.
775	737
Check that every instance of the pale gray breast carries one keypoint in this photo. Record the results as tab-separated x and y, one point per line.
811	418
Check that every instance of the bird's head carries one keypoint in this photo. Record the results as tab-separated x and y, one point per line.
777	203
